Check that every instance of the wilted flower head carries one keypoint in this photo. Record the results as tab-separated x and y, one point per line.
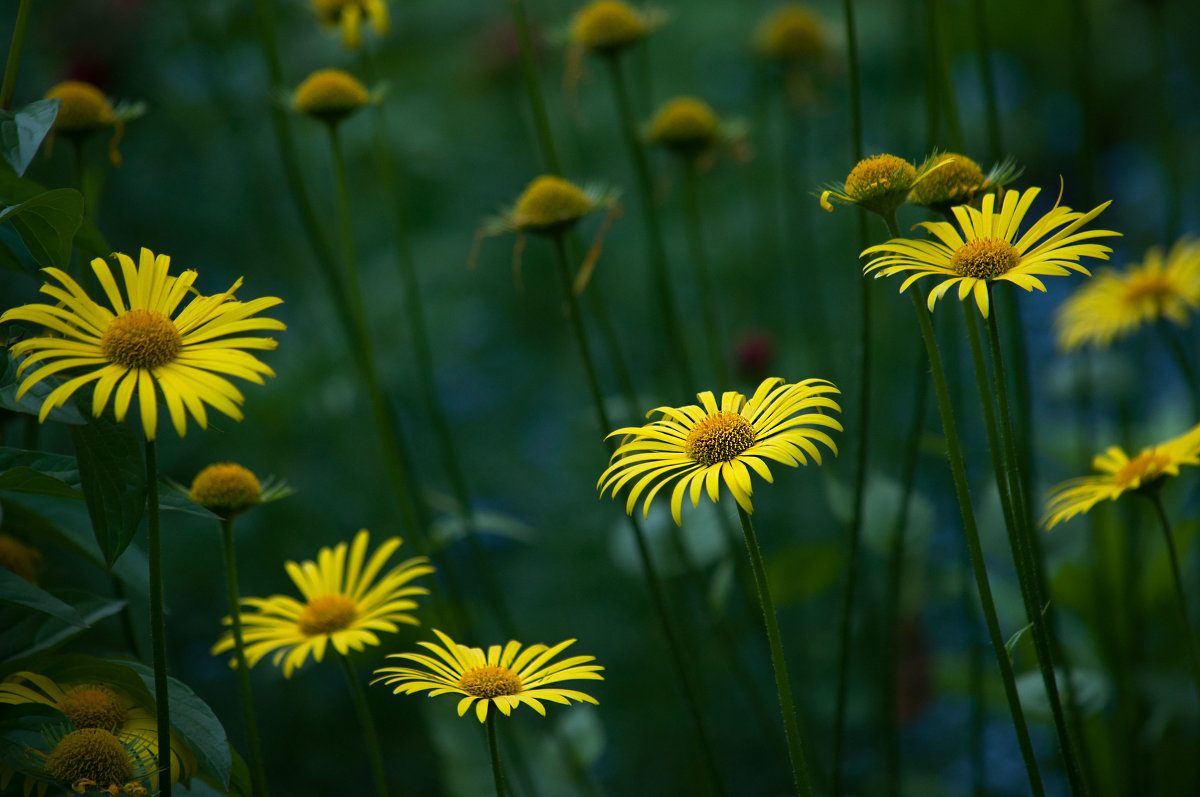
607	26
330	95
348	16
790	33
880	184
955	179
83	110
685	125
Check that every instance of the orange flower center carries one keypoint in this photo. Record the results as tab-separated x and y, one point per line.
93	706
141	339
489	682
327	614
1149	286
1145	467
720	437
92	755
984	258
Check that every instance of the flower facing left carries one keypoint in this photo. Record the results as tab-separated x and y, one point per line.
143	343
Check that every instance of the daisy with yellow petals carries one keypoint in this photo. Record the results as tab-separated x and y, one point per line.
346	604
985	248
703	445
143	343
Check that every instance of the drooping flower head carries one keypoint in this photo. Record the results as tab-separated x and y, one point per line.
955	179
1120	473
142	345
504	677
348	16
1115	304
83	110
346	603
986	248
330	95
102	707
550	206
791	33
19	558
880	184
703	445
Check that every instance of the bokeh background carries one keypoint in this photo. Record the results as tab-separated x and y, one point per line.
1098	94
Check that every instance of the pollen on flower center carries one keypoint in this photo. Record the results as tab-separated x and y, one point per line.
956	181
719	438
327	614
90	754
141	339
878	175
487	682
226	488
1145	467
93	706
984	258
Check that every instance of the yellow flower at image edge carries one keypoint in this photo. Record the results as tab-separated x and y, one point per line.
143	345
987	248
344	605
1115	304
98	706
348	16
710	443
1120	473
505	677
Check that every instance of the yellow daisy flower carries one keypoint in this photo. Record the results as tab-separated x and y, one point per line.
1119	473
344	605
349	15
702	445
1115	304
142	345
99	706
988	249
505	677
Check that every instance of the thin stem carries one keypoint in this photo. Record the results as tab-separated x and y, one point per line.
533	87
654	235
1028	567
894	578
974	548
14	53
158	621
258	770
938	45
370	736
1168	152
856	123
654	582
497	769
704	280
782	683
1185	625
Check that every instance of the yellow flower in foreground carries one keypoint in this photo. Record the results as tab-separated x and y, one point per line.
101	707
143	345
345	605
505	677
703	445
988	248
1118	303
349	15
1119	473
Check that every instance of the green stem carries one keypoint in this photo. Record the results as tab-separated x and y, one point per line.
14	53
1028	568
782	683
894	578
1184	362
1168	152
1185	625
974	548
654	235
704	280
158	621
258	770
493	748
533	88
944	82
856	123
657	593
370	736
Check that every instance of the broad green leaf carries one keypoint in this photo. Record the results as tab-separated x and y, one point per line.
14	190
801	572
47	224
31	402
205	785
17	591
22	132
28	480
113	478
192	719
29	634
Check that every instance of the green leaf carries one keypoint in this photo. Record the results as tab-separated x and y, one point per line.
206	785
31	402
113	478
28	480
47	224
19	592
803	571
193	720
14	190
22	132
1011	644
34	633
9	260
